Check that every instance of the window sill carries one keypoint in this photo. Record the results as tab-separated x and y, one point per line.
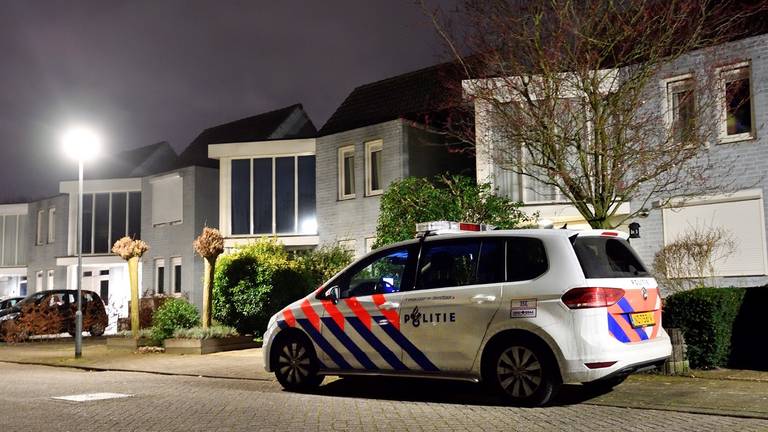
346	198
735	138
374	193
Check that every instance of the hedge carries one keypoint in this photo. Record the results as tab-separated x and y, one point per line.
720	326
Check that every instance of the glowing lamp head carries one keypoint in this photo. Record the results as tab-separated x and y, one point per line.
81	144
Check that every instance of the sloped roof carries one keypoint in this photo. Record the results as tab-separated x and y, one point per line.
138	162
409	95
285	123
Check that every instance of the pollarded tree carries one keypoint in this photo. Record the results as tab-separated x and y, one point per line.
571	92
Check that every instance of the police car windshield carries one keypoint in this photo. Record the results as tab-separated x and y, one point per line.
607	257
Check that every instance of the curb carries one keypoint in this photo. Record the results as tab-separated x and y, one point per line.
101	369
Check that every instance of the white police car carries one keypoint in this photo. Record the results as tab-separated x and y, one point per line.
521	310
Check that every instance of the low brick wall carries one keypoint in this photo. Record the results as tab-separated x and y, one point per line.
207	346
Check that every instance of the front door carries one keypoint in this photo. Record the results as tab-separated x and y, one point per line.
457	292
363	326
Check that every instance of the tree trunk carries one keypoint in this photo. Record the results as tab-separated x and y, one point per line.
133	276
210	264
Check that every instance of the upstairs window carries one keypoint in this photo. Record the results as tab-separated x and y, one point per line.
109	216
681	106
737	101
51	225
373	174
273	196
347	172
40	227
167	199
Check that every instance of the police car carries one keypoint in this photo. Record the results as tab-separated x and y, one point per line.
523	311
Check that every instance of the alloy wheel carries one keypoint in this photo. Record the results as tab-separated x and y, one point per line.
519	372
293	363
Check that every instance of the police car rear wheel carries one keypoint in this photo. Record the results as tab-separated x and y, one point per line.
521	372
296	365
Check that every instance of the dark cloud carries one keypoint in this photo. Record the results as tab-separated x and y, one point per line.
147	71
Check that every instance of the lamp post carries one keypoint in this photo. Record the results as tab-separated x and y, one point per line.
80	144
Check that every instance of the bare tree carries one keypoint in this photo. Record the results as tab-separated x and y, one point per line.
572	93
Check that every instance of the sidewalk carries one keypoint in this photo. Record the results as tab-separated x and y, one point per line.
721	392
243	364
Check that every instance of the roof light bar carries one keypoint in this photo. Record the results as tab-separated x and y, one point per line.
448	227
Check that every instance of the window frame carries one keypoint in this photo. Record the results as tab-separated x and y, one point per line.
371	147
670	87
297	223
734	71
342	155
51	224
39	233
110	203
159	281
176	262
50	278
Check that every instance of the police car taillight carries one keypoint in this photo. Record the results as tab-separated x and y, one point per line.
592	297
446	227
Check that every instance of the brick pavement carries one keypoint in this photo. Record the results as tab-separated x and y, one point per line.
181	403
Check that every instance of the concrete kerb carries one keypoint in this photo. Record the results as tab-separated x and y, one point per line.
692	410
144	371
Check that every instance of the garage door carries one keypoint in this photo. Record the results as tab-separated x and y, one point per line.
743	219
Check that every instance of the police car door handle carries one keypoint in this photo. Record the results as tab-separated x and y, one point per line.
390	305
482	298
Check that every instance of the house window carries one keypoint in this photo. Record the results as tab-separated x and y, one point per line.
160	276
11	245
109	216
40	227
737	101
273	195
369	241
167	200
176	274
51	225
681	108
50	279
373	181
347	172
350	245
39	281
104	291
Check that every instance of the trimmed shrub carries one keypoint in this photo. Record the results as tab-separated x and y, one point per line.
323	263
212	332
175	313
706	316
255	282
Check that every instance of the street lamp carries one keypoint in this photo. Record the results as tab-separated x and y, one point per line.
80	144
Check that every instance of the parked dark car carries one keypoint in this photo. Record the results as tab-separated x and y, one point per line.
53	312
9	302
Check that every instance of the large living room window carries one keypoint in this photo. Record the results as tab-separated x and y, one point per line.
274	195
107	217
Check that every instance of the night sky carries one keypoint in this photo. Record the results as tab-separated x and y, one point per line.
147	71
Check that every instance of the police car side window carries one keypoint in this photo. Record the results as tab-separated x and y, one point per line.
448	264
526	259
382	274
490	269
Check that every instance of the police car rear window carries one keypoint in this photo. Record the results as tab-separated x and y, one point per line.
607	257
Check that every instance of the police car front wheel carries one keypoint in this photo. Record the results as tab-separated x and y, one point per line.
522	372
296	364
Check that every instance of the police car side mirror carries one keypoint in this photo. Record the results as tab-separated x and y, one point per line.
333	293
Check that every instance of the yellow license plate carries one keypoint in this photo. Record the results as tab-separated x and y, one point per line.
643	319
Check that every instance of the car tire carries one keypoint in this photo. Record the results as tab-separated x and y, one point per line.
522	371
295	364
96	330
